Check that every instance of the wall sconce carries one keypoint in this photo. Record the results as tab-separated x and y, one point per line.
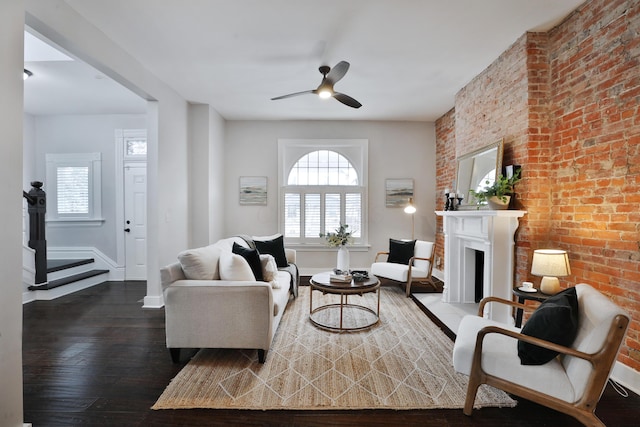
551	264
411	210
26	74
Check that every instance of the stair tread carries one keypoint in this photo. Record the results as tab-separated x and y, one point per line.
63	264
69	279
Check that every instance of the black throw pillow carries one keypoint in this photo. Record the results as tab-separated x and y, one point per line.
274	248
401	251
555	320
253	258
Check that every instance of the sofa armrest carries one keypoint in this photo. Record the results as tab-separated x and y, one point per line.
380	253
170	274
291	255
487	300
219	314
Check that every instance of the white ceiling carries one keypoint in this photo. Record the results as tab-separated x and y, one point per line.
408	57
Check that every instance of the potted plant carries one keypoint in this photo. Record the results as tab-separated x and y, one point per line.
497	195
340	239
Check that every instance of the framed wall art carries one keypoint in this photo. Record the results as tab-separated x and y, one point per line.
253	190
397	192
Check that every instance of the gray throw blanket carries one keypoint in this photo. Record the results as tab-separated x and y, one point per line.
292	269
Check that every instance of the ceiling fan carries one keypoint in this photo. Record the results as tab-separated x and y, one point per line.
330	76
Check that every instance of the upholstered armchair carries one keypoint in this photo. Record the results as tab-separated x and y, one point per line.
572	382
411	263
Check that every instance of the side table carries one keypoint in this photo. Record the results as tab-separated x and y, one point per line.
522	297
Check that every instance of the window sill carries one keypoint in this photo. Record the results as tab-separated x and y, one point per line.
75	222
323	248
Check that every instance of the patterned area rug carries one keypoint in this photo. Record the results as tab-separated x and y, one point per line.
404	362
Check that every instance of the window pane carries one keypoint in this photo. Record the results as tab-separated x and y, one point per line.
136	147
353	213
73	189
331	212
323	167
292	215
312	215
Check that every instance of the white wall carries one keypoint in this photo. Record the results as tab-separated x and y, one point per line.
83	134
28	151
206	180
396	150
11	106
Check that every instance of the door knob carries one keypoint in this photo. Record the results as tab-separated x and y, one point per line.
127	230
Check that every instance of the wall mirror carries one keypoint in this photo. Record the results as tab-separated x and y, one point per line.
477	167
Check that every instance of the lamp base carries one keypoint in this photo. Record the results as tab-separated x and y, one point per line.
550	285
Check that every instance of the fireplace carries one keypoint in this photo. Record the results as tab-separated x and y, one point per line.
479	257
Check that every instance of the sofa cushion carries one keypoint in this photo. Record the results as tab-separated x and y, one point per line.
272	246
234	267
253	258
555	320
401	251
269	268
200	263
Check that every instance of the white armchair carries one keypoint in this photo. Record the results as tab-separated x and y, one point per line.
418	269
572	382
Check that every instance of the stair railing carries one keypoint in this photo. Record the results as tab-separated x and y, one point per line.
37	207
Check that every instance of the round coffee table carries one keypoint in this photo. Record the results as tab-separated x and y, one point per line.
343	316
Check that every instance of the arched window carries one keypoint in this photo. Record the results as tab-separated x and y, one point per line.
323	189
323	167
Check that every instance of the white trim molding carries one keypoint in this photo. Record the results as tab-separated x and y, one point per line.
626	376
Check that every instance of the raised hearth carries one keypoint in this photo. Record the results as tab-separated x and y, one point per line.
479	257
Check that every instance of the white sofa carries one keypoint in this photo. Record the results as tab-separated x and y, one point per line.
204	311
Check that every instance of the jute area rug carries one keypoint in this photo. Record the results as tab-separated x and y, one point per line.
404	362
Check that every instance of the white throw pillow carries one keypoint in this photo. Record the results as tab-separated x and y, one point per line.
269	270
200	263
234	267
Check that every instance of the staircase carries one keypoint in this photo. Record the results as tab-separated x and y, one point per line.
66	276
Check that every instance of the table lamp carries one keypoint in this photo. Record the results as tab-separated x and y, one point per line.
411	209
551	264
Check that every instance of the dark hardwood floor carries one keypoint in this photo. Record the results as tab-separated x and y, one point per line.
96	358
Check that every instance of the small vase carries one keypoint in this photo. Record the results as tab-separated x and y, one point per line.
499	203
343	258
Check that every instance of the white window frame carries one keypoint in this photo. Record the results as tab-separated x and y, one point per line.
355	151
91	160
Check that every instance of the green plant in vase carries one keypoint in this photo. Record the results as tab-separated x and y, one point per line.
341	237
497	194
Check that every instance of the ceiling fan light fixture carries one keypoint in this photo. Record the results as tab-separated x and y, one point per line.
325	93
329	77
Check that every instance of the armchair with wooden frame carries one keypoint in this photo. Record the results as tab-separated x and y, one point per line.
418	269
572	382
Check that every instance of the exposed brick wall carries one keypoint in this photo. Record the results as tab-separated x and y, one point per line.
595	119
445	158
566	104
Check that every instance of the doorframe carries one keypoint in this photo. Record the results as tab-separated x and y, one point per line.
120	163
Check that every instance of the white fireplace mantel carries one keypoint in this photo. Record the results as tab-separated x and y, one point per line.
491	232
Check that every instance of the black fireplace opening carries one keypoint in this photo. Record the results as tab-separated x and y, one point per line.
479	276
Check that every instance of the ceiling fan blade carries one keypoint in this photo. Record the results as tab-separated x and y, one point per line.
338	71
292	95
347	100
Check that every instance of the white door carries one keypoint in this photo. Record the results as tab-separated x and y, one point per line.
135	221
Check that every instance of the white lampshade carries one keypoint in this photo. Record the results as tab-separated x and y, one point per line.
551	264
410	208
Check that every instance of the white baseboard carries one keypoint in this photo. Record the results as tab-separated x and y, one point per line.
627	377
153	302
